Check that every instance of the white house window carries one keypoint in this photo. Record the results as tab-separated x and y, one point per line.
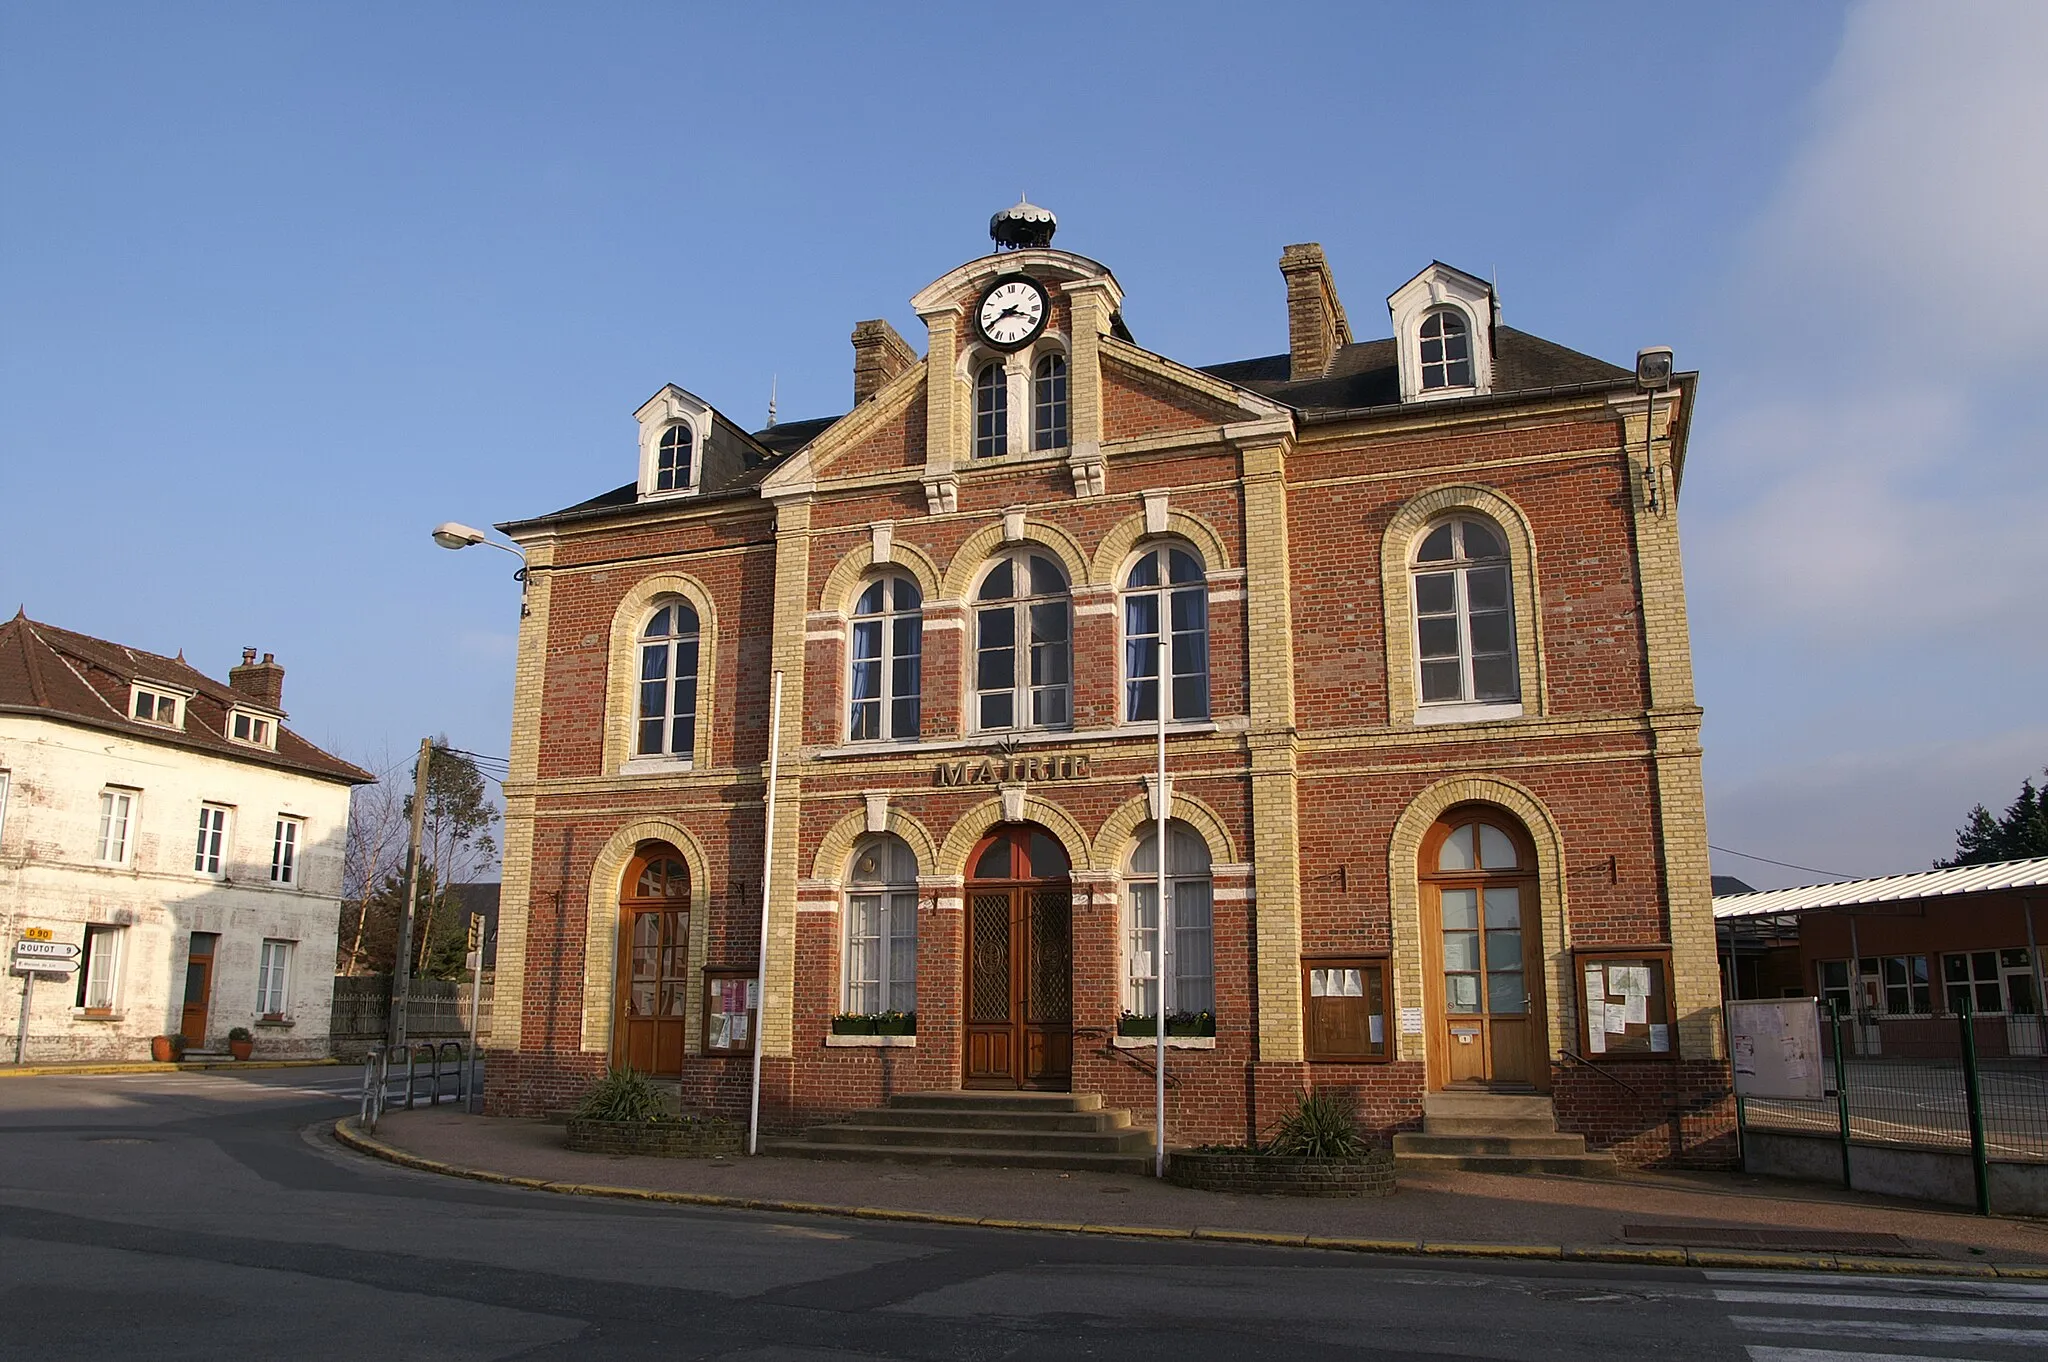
1446	350
668	683
881	927
1464	616
991	411
154	707
3	804
885	679
117	816
99	969
1191	987
1023	632
1049	403
253	729
673	459
213	829
1166	606
284	851
273	980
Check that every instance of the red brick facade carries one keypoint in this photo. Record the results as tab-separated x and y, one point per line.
1289	501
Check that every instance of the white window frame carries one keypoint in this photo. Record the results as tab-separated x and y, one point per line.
1444	363
892	942
1163	594
669	716
667	409
994	443
1467	703
120	807
1052	423
157	696
262	728
4	780
288	852
894	626
216	823
99	973
1026	696
1141	940
662	453
274	979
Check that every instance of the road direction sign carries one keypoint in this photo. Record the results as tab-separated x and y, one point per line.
49	950
35	964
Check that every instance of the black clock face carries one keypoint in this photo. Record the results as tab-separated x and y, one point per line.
1012	312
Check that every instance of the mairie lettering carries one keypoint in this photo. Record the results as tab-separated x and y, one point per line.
1006	770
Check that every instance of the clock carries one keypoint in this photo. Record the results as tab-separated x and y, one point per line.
1012	312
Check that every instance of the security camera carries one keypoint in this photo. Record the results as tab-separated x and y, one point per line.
1653	369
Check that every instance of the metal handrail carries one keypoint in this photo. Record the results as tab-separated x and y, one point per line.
1578	1058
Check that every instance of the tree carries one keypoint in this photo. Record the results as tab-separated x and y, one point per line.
456	846
2022	831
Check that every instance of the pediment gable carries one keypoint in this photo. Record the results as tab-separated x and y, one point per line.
885	434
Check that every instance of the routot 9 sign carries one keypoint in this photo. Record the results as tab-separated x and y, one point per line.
45	957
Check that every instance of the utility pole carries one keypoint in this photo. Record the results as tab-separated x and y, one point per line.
401	966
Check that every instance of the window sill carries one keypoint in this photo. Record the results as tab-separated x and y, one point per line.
1172	1042
81	1014
276	1023
1140	727
1466	713
649	766
838	1042
1017	456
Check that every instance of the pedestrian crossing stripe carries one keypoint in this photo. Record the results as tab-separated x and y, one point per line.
1874	1307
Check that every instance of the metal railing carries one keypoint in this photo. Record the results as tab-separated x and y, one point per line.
393	1076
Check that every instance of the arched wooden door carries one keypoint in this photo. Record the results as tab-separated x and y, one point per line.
654	936
1483	954
1019	993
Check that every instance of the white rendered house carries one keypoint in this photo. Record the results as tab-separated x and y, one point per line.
176	832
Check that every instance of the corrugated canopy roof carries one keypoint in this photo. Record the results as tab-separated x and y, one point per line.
1926	884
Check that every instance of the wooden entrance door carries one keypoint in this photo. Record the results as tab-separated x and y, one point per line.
654	938
1019	1002
1483	956
198	989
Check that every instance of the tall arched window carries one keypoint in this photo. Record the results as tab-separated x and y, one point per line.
1446	350
881	927
1166	606
991	411
668	682
672	460
886	676
1464	614
1049	403
1191	987
1023	637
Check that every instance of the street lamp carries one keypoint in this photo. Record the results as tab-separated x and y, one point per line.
453	534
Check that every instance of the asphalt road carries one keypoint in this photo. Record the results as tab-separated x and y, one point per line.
209	1216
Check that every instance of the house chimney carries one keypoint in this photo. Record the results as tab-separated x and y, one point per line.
1316	328
262	681
879	354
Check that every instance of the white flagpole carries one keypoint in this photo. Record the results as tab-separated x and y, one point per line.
767	872
1159	914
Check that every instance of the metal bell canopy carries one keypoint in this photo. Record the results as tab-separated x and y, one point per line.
1025	224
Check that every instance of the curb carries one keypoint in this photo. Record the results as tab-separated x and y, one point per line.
150	1066
347	1134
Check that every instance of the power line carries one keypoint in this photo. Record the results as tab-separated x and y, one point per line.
1811	870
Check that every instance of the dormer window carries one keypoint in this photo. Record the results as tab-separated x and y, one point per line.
1446	350
254	729
153	706
674	467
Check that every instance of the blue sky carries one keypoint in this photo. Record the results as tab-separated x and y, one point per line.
284	286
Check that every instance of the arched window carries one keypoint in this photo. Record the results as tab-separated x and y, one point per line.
991	411
881	927
1166	605
1191	987
668	683
1446	350
1023	632
1464	614
1049	403
672	460
886	677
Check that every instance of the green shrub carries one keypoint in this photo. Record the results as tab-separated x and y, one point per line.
240	1033
1323	1125
625	1094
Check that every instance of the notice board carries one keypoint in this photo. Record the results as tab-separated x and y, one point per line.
1774	1044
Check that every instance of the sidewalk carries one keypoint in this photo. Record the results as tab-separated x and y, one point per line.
1676	1219
150	1066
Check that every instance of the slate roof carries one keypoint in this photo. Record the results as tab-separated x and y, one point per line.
735	463
76	678
1926	884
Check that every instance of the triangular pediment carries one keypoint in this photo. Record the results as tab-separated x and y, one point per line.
885	434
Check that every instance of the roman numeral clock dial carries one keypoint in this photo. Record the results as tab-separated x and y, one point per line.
1012	312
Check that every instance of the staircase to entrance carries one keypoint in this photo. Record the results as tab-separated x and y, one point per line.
1488	1132
1070	1130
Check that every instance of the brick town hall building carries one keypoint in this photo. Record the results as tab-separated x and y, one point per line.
1434	756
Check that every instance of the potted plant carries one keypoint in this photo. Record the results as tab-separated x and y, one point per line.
625	1113
167	1049
853	1024
1318	1150
896	1023
1131	1024
240	1043
1191	1023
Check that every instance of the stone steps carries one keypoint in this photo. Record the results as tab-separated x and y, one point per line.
1483	1132
1018	1129
1131	1165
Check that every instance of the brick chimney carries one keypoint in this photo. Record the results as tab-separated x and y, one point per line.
1315	319
879	354
262	681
